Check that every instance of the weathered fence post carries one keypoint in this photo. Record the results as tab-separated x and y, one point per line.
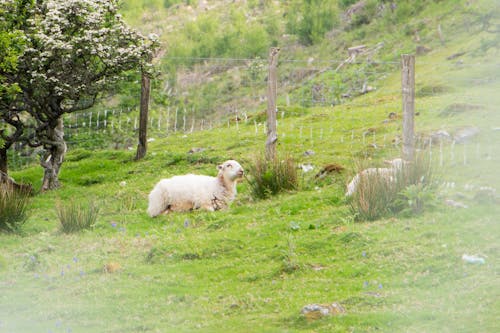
408	92
143	118
272	135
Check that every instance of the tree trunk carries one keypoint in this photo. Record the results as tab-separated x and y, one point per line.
143	121
4	177
51	161
5	180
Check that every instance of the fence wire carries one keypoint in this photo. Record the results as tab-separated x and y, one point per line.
354	88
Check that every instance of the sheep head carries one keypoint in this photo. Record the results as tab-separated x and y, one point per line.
231	170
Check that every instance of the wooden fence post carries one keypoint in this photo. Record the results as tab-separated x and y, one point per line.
408	92
143	118
272	135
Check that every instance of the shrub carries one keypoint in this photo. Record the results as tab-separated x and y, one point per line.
415	198
272	177
311	19
374	196
289	256
407	191
77	216
365	15
13	208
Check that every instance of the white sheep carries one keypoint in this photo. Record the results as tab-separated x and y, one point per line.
387	173
188	192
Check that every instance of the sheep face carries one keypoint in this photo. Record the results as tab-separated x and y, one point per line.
231	170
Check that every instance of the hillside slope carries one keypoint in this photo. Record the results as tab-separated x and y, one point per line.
253	267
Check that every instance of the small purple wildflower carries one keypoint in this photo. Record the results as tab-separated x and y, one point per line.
113	224
62	272
186	223
75	259
82	273
380	286
363	253
365	284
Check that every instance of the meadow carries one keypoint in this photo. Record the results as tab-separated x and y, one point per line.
253	267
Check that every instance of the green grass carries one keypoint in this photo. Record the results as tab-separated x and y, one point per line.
253	267
13	208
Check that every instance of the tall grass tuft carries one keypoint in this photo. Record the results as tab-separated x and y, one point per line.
13	208
272	177
75	216
289	255
379	195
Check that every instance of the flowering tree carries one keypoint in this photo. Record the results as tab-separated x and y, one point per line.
76	49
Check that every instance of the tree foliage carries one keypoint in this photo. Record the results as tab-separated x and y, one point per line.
11	47
12	43
74	50
230	35
311	19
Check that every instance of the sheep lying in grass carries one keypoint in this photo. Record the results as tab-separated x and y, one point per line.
188	192
387	173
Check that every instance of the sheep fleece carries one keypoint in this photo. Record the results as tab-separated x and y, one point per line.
187	192
387	173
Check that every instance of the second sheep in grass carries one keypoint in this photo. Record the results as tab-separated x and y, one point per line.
386	173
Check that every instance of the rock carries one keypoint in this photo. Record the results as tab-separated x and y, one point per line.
356	49
439	136
306	167
366	89
457	108
317	311
455	204
421	50
196	150
354	9
455	55
465	134
473	259
486	194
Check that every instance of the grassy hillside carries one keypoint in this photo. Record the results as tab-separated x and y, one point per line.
253	267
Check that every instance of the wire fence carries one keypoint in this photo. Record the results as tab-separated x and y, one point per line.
229	93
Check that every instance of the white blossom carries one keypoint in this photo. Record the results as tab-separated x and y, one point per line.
71	34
